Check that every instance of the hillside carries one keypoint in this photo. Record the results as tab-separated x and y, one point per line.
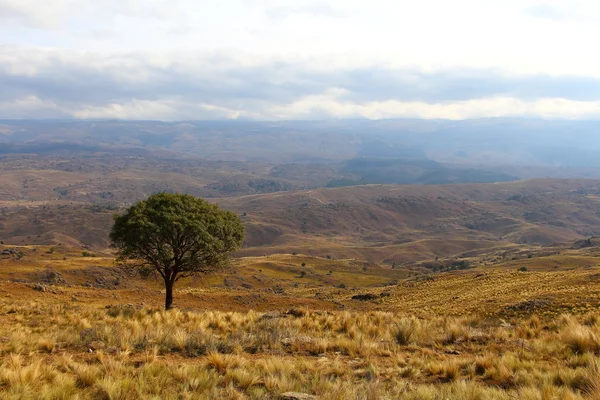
372	291
553	279
376	223
516	324
97	178
406	223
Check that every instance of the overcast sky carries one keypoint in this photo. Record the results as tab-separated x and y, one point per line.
297	59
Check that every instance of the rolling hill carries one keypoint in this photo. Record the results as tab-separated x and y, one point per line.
377	223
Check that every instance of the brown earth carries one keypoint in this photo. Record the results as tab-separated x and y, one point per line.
376	223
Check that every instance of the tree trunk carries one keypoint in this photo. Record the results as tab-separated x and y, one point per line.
169	296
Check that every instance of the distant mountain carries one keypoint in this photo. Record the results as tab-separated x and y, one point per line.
501	141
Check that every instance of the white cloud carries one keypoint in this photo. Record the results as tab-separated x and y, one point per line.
326	105
35	13
173	59
166	110
330	105
32	107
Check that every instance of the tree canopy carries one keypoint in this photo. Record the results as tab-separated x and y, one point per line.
176	235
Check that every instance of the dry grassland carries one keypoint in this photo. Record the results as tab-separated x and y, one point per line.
67	351
486	333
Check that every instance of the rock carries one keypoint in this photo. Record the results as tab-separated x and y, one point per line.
278	289
530	305
297	312
39	287
297	396
271	315
453	352
97	345
297	340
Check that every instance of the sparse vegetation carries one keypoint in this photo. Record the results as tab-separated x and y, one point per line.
313	305
128	353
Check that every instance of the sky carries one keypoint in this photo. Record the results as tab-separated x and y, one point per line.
300	59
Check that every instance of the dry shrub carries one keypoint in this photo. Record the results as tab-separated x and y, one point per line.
453	333
46	345
405	332
223	362
580	339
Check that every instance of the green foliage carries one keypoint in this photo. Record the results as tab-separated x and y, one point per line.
523	269
176	235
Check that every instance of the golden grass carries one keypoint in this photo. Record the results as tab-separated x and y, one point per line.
505	334
82	351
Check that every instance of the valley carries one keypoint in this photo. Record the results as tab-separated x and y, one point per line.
378	290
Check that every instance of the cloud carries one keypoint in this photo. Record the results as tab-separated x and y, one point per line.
56	13
280	12
548	11
32	107
45	14
184	59
330	105
580	11
221	85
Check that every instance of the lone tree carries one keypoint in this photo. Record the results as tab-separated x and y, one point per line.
176	235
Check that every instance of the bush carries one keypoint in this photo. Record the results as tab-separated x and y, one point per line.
523	269
404	332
